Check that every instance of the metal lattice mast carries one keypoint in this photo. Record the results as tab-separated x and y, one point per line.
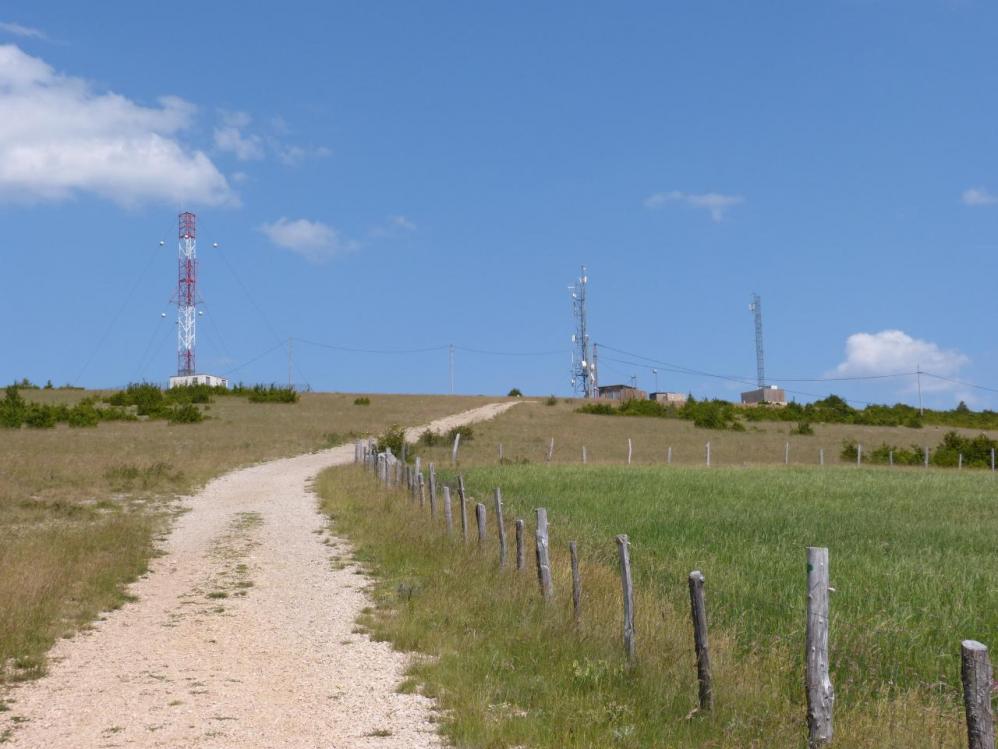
760	359
583	367
187	278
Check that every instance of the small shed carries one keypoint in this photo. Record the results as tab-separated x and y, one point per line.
620	393
669	399
769	394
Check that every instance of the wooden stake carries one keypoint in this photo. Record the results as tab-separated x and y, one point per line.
500	524
708	454
521	555
543	561
576	583
448	518
821	457
464	508
583	455
959	464
668	456
433	491
550	455
859	455
422	490
480	517
698	607
890	457
500	453
975	670
453	452
623	546
820	694
630	450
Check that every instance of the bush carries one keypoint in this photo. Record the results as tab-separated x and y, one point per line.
273	394
803	428
185	413
393	438
429	439
362	401
976	451
550	401
83	414
466	432
599	409
514	393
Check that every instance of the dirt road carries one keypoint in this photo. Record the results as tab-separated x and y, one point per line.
242	636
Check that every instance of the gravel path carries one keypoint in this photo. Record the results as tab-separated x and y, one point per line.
242	636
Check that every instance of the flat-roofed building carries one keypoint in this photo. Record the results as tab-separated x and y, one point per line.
768	394
619	393
668	399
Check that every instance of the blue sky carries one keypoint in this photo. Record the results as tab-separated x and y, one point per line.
409	175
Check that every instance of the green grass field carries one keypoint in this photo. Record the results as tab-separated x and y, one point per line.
911	559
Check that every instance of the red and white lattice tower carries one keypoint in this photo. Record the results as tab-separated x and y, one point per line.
187	300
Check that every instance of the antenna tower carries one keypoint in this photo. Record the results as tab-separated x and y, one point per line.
760	359
583	368
187	300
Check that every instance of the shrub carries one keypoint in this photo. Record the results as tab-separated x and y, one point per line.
429	439
185	413
393	438
599	409
550	401
514	393
273	394
83	414
466	432
803	428
976	451
12	408
362	401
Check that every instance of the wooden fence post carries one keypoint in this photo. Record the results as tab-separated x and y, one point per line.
433	492
464	507
480	518
623	546
668	456
422	490
708	455
992	460
959	464
698	608
630	450
543	560
419	465
859	454
521	555
405	449
550	450
820	694
821	456
786	455
448	517
975	670
583	455
453	452
576	583
500	453
502	529
890	457
925	454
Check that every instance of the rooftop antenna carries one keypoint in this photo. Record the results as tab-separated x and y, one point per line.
583	367
760	359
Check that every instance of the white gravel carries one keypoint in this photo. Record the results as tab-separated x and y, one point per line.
276	663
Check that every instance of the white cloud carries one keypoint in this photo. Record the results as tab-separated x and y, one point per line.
716	203
295	155
976	196
313	240
393	227
229	136
58	137
18	30
894	352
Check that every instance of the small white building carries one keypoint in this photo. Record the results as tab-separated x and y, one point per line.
214	381
668	399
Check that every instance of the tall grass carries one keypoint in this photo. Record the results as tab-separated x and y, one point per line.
510	671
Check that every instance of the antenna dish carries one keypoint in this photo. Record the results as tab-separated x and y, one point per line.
162	314
161	243
214	244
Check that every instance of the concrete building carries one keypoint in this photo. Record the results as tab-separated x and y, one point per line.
198	379
769	394
669	399
619	393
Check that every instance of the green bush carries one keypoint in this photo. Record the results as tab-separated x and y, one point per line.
803	428
550	401
976	451
599	409
185	413
362	401
272	394
83	414
429	439
466	432
393	438
514	393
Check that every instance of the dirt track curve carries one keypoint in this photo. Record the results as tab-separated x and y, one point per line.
242	636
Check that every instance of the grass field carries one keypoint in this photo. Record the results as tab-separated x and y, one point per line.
79	508
911	560
526	431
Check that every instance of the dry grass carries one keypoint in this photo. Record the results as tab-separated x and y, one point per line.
511	671
79	508
525	432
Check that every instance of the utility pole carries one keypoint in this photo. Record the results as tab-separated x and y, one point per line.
918	376
450	366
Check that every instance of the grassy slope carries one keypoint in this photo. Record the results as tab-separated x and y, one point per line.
910	559
79	507
525	432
